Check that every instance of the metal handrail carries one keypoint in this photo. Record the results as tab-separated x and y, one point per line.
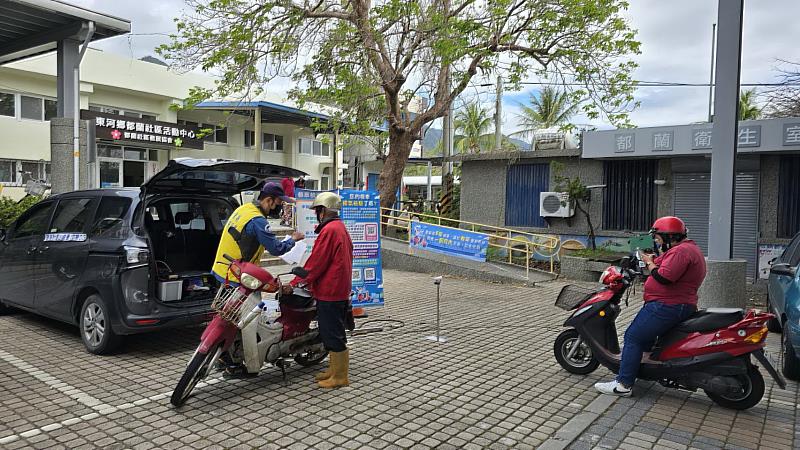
552	243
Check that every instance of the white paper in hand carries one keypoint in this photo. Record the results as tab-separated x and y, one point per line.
295	255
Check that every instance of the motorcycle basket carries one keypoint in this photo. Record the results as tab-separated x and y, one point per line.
571	296
228	303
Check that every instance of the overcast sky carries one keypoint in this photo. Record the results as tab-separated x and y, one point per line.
675	36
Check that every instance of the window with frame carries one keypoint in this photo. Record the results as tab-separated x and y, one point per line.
788	197
109	220
313	147
8	171
31	107
213	133
8	104
629	198
35	222
72	215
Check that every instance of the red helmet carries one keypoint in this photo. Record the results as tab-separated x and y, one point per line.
668	225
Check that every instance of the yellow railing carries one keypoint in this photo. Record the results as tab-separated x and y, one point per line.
517	244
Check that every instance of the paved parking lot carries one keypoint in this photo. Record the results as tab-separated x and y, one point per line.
494	384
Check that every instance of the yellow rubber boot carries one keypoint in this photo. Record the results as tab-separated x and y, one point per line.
325	374
340	362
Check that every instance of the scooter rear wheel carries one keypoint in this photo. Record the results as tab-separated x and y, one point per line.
582	361
752	391
198	369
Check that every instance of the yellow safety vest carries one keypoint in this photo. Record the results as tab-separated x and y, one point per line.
227	245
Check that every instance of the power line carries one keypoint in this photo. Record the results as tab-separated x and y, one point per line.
650	84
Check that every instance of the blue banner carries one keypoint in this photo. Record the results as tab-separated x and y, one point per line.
449	241
361	213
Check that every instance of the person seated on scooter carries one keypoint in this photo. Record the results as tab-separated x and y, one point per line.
329	278
247	235
670	296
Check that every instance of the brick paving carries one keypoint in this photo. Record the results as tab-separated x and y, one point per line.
494	384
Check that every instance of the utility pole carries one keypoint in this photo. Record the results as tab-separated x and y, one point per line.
446	197
711	72
498	115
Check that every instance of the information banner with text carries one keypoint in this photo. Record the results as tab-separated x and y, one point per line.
361	215
449	241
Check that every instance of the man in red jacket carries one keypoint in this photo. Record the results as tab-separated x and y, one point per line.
330	271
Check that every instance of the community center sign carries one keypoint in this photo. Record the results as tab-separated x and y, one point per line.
113	127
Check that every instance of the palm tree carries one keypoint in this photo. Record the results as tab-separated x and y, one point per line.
551	108
748	110
471	125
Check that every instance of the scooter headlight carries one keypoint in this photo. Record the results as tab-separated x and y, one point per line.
249	281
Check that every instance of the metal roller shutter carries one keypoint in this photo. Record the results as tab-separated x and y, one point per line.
524	183
692	194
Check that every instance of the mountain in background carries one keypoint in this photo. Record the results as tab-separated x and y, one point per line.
434	135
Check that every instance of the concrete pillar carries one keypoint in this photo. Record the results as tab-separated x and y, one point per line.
61	159
725	285
67	52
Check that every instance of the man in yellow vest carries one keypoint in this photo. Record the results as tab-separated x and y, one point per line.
245	237
247	234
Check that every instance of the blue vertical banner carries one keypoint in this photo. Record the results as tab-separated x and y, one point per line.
449	241
361	216
361	213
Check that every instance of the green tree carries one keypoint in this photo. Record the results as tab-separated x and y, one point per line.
549	109
748	110
472	124
373	59
577	193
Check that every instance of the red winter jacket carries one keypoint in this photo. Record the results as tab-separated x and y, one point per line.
330	266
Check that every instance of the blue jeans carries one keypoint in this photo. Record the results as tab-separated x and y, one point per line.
654	319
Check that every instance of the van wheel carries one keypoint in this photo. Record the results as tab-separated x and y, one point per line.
774	325
95	325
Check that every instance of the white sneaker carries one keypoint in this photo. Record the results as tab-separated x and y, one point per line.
613	388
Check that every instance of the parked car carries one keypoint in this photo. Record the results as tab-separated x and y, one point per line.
123	261
783	299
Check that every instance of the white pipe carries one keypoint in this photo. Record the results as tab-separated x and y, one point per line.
76	138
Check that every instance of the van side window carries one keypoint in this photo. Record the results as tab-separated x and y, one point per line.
110	217
72	215
34	222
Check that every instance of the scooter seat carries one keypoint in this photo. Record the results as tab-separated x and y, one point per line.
710	319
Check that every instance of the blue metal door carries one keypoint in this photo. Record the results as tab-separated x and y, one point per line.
524	183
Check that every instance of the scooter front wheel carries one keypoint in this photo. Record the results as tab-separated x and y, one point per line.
578	360
198	368
752	391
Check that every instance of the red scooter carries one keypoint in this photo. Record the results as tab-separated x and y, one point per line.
235	338
710	350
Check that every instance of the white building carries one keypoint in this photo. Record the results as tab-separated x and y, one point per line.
142	97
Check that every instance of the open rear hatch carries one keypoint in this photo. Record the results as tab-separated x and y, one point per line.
185	208
213	177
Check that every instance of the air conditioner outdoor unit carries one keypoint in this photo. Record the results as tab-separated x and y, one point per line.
555	204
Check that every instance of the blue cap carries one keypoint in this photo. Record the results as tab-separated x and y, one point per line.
274	190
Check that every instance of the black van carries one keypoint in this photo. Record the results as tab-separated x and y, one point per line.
124	261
